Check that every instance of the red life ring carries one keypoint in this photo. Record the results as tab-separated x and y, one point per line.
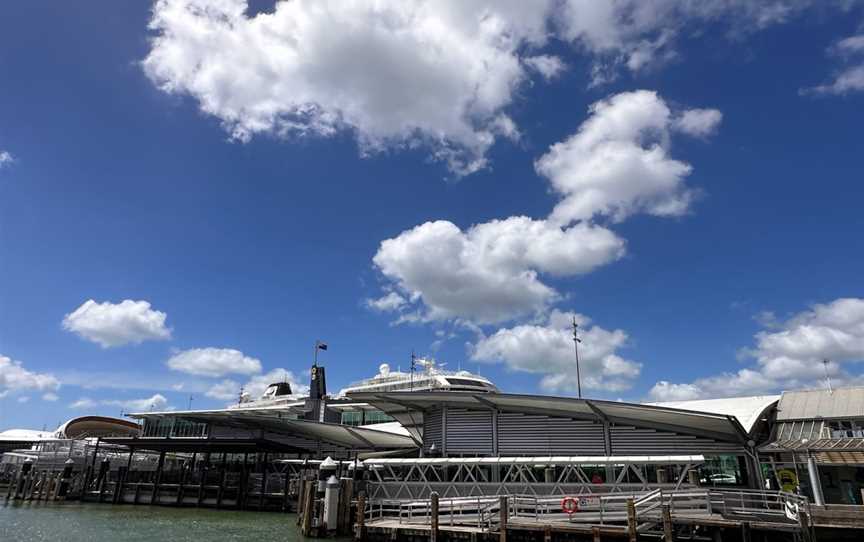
569	505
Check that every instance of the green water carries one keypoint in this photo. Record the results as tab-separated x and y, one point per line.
76	522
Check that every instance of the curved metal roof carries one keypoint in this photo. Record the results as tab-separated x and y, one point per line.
747	410
408	408
96	426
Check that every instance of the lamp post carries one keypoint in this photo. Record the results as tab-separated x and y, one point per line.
576	341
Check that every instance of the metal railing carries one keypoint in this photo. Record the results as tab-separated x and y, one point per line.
484	512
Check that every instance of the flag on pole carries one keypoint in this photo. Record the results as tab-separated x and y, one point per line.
322	346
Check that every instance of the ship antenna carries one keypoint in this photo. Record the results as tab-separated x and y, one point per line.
413	366
240	397
576	341
827	376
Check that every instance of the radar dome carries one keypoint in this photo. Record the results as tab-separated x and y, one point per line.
384	369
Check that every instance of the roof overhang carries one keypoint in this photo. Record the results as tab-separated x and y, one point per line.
408	408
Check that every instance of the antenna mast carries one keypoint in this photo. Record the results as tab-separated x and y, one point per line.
576	341
827	376
413	365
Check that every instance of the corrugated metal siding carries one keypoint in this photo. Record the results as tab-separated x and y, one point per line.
810	404
527	434
627	440
469	432
432	430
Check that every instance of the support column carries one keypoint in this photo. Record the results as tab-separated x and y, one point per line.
815	481
154	496
433	532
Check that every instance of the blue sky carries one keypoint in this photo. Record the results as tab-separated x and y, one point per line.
231	174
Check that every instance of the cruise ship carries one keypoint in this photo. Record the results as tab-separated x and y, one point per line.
429	377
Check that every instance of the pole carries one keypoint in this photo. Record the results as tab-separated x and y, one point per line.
576	341
413	362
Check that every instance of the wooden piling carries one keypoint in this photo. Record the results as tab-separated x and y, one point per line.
745	531
308	507
361	517
547	533
433	531
286	481
631	520
154	497
595	534
502	516
346	491
667	523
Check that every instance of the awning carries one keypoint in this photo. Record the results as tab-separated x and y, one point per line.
351	438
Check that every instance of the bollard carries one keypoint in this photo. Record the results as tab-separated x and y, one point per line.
433	532
331	504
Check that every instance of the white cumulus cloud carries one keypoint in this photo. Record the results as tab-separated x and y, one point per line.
491	272
549	66
392	72
5	158
155	402
789	355
213	362
116	324
14	377
618	163
548	350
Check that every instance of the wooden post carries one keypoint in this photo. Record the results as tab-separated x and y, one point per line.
154	497
180	482
308	507
547	533
667	524
503	515
631	520
595	532
361	516
204	472
223	479
346	490
286	480
433	532
745	531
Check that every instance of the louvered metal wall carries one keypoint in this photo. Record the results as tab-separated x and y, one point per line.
528	434
432	424
627	440
469	432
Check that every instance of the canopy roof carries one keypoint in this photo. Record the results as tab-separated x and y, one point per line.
812	404
407	407
353	438
748	410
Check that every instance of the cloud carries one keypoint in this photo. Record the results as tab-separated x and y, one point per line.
849	78
6	159
83	403
490	272
23	398
387	303
548	66
224	391
789	355
213	362
394	73
618	162
50	397
548	350
155	402
117	324
642	34
14	377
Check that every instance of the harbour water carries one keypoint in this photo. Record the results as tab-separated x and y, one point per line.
82	522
